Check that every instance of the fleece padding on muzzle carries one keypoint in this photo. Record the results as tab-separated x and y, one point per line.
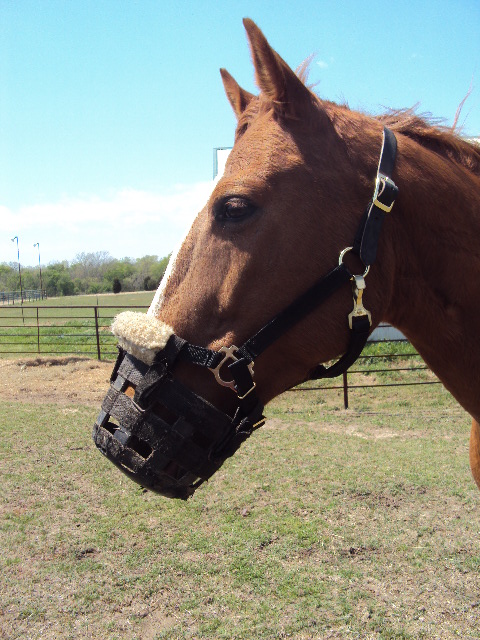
154	429
141	335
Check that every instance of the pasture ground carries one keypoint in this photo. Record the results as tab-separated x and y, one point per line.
129	298
326	524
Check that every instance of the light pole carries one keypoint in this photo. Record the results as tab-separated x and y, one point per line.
19	270
37	244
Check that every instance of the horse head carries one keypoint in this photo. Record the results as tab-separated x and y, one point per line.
290	200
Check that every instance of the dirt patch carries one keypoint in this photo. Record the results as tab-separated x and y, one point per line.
64	380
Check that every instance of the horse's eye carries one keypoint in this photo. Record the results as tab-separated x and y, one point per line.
234	208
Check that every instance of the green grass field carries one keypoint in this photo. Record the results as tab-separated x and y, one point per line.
326	524
64	325
58	306
122	299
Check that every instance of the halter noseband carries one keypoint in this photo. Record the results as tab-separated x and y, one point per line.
169	439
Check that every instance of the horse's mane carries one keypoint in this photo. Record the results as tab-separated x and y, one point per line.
424	129
431	134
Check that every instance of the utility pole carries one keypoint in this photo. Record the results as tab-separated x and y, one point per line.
19	269
37	244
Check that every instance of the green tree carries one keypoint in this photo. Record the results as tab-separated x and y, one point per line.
57	280
117	285
120	270
88	273
149	284
149	271
9	277
30	278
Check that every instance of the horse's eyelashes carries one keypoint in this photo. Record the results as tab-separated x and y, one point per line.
234	208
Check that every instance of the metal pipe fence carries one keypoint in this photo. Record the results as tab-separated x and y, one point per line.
385	371
25	295
55	330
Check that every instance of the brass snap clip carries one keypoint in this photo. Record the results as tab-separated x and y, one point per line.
229	355
358	308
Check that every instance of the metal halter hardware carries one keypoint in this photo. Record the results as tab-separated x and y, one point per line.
229	355
169	439
358	289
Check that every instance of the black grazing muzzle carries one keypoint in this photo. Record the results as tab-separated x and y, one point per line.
170	440
162	435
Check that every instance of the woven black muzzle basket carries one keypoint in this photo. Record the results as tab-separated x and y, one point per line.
167	439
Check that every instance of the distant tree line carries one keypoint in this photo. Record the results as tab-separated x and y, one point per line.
87	273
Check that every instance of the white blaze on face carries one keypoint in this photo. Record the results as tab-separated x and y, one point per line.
160	293
159	297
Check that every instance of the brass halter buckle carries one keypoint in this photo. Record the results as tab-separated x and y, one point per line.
381	183
229	355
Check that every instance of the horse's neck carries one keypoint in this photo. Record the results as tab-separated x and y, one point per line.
436	286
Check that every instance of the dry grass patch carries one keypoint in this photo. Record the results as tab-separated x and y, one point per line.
326	524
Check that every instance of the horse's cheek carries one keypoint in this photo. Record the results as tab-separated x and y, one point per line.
475	451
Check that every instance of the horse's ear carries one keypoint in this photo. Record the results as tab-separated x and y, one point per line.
238	97
274	77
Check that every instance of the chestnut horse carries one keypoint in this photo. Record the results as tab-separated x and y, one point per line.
290	200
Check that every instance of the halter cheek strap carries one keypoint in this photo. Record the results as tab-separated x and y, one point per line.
368	234
365	246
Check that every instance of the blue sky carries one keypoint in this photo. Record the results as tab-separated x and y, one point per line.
110	110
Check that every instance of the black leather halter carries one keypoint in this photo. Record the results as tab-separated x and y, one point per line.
365	246
171	440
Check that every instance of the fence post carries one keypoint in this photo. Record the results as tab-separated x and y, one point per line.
97	333
345	390
38	333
